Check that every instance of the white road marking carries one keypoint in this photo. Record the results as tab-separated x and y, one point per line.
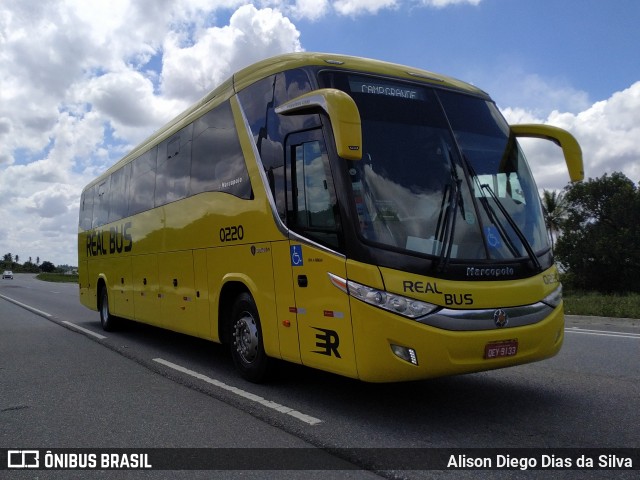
602	333
242	393
28	307
85	330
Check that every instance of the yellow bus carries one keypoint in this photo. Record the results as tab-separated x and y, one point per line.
364	218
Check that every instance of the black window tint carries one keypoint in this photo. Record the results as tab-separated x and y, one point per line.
101	203
256	100
143	181
174	165
119	194
86	209
473	115
291	84
218	162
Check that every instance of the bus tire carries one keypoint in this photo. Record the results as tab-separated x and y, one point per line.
247	348
108	321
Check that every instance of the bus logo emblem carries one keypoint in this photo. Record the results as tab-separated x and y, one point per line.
500	318
328	341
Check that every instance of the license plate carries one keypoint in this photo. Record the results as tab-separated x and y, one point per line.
505	348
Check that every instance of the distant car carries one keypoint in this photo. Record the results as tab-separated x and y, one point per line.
7	274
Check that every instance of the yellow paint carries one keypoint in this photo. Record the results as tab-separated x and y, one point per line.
187	255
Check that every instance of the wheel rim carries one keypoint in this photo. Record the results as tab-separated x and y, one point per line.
105	308
246	338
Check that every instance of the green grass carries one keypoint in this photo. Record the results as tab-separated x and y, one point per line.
58	277
602	305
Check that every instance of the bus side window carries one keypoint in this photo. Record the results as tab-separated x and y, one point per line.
143	181
218	162
86	209
101	203
314	205
289	84
119	195
174	167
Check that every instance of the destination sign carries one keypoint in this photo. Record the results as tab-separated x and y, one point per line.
387	89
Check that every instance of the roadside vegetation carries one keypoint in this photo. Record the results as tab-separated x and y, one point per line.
58	277
596	241
602	304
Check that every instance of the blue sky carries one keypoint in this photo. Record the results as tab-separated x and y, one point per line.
587	45
82	82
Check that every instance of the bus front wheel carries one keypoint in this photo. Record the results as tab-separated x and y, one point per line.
107	320
247	348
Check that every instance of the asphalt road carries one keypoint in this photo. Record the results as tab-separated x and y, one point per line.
65	383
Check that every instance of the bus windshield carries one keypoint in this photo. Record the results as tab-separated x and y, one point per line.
440	174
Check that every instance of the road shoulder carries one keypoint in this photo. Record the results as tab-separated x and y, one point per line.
592	321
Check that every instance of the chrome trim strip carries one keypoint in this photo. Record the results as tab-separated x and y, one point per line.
296	237
263	175
461	320
425	76
338	282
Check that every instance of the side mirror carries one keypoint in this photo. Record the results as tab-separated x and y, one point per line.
343	114
570	147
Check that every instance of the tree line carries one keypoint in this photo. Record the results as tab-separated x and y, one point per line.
595	233
11	262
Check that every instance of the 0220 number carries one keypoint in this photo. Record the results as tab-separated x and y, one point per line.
231	234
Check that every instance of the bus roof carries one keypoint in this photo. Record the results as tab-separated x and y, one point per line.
259	70
272	65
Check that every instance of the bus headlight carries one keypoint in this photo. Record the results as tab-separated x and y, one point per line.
407	307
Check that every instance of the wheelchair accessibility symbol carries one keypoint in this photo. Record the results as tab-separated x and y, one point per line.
296	255
492	236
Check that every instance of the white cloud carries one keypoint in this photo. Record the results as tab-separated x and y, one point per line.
607	132
190	71
310	9
358	7
511	85
355	7
447	3
127	101
48	203
80	86
75	100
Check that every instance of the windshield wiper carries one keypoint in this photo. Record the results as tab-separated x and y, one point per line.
492	214
445	230
512	224
449	227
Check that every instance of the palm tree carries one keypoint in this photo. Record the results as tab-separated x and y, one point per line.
8	260
554	207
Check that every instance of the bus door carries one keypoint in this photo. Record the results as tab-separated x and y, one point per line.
322	310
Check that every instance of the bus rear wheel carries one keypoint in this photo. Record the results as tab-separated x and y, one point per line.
247	349
108	321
